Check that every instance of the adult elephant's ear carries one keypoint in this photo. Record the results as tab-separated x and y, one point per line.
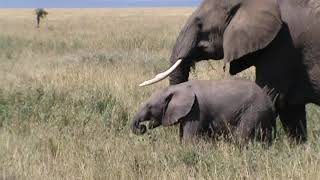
254	25
178	106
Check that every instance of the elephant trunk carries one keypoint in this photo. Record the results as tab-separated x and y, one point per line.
180	74
185	49
138	128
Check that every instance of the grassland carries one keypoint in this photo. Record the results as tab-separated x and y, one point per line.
68	92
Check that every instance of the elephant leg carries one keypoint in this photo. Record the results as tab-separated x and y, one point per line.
266	130
247	126
189	130
264	133
293	119
243	133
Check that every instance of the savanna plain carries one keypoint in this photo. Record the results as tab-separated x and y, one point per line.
69	90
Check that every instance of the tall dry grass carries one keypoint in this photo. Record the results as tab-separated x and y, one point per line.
68	92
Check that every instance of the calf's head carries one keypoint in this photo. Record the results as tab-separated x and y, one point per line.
165	108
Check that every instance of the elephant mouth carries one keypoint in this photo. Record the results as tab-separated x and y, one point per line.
153	124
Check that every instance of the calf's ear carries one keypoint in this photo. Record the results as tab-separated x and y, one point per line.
178	106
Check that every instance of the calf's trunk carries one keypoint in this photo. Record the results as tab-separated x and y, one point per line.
138	128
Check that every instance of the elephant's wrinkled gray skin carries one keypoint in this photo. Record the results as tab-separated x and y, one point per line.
212	108
281	38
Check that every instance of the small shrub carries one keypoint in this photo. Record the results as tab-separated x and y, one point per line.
40	13
190	158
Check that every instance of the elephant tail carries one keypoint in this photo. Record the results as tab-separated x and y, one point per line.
271	92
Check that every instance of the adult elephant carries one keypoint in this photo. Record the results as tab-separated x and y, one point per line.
281	38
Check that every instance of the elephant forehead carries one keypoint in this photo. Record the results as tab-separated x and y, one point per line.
157	96
219	3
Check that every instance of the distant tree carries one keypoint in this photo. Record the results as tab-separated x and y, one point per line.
41	13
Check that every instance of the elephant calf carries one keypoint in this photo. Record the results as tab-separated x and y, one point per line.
237	109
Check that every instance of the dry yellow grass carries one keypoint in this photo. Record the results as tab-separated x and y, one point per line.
68	92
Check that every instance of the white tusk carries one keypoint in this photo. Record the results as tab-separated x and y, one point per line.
162	75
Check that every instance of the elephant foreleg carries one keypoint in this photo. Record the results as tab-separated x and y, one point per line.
189	130
293	119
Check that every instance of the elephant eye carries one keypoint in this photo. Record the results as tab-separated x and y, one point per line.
148	106
234	10
199	22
